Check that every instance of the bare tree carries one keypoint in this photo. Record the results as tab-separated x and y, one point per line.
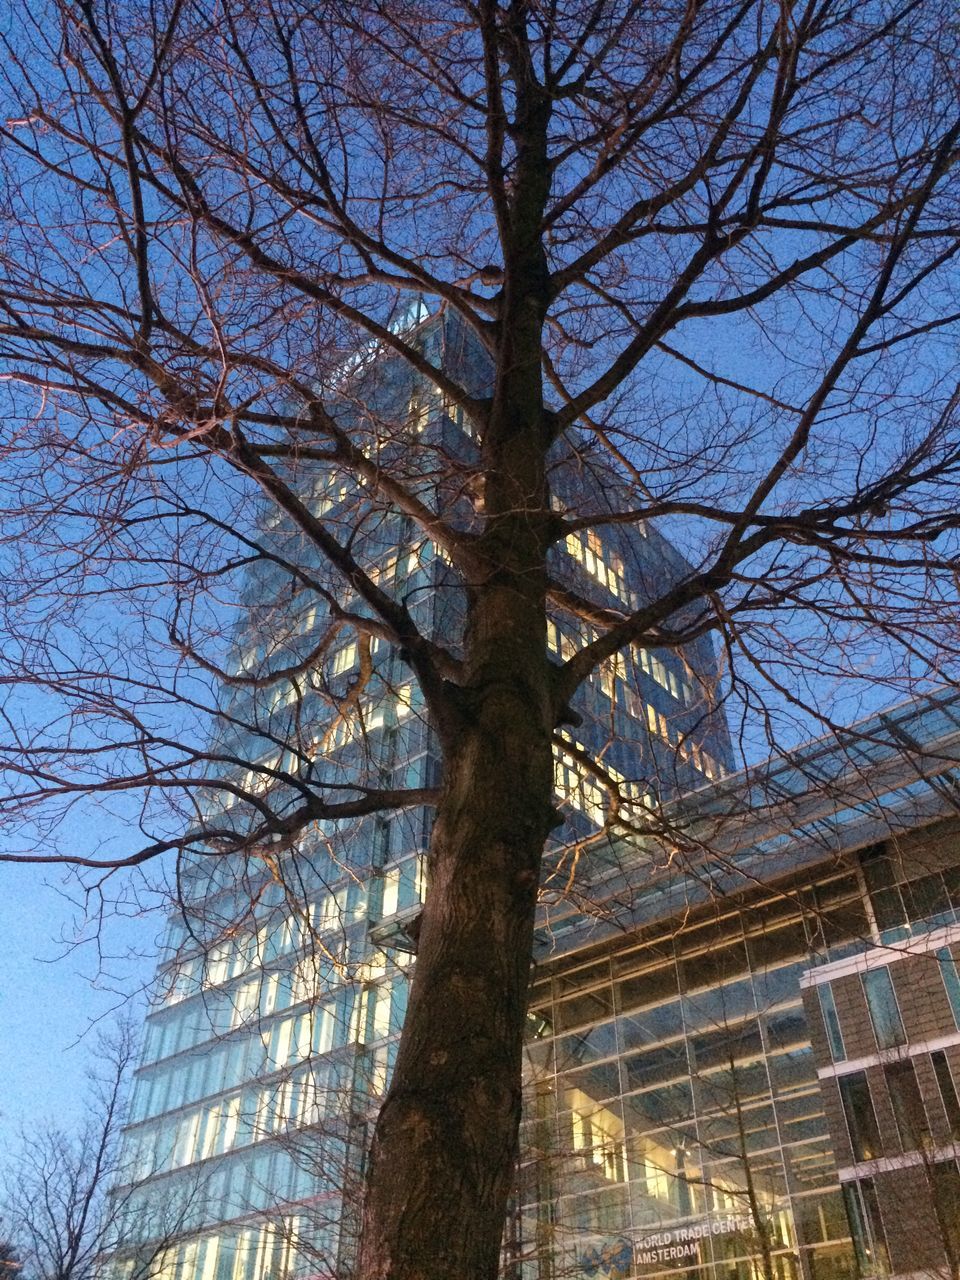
58	1196
9	1261
707	252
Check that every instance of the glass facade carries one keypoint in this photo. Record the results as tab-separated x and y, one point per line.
891	1100
675	1120
907	897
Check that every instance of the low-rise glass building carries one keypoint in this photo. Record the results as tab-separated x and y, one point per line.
746	1062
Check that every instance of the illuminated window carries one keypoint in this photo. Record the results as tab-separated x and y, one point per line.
281	694
344	659
633	702
419	411
187	1129
391	892
384	573
610	672
603	565
598	1135
567	647
259	777
246	999
404	701
230	1117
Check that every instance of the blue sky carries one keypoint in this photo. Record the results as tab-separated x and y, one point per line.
51	997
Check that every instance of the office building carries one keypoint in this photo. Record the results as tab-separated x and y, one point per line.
748	1065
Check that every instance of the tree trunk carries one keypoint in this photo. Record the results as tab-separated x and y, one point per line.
442	1161
443	1153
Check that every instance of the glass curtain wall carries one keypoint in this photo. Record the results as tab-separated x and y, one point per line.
674	1117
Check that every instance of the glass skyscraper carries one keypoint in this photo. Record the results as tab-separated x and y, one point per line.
282	988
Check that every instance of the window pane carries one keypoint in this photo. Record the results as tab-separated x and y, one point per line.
948	1091
927	900
861	1120
951	981
907	1104
831	1022
951	878
866	1227
872	1206
586	1007
876	867
946	1202
888	909
884	1012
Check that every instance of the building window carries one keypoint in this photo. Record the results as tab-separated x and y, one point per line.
831	1022
903	902
344	659
860	1116
884	893
907	1104
946	1204
951	981
948	1091
884	1011
866	1227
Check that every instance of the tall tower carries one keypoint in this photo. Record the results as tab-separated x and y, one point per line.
283	985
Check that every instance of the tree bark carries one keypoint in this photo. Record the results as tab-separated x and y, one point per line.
442	1157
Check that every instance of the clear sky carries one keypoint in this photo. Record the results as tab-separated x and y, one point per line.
51	997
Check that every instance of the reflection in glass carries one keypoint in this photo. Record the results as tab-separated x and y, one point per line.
884	1010
831	1022
908	1109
